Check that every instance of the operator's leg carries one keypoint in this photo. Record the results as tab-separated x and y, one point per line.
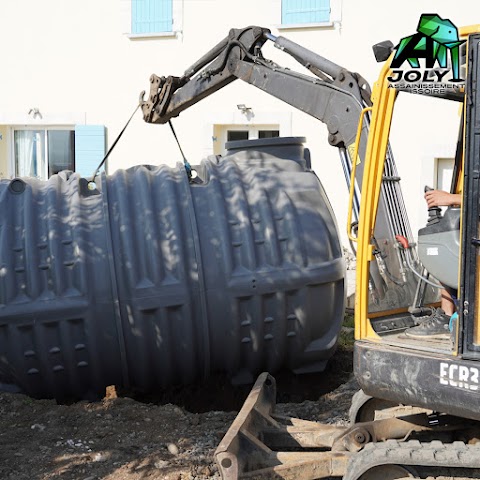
437	325
447	304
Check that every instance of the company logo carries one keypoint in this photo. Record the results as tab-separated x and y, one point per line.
437	42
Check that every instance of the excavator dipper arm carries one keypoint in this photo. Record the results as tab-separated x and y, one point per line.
334	95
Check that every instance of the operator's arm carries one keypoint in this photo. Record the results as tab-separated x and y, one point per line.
439	198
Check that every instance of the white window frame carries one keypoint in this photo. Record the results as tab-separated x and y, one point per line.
11	134
177	18
240	120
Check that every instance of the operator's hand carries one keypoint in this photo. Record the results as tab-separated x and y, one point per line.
439	198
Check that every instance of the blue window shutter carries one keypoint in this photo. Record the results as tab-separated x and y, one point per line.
152	16
305	11
89	148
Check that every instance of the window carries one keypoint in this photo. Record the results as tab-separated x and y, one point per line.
61	151
231	133
151	16
268	133
297	12
251	133
42	153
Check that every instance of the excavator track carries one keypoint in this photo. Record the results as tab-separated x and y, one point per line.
434	459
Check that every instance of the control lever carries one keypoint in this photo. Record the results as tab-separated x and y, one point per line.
434	213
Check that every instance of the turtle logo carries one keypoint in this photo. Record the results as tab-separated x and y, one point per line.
435	37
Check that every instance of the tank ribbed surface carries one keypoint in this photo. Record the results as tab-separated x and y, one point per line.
152	281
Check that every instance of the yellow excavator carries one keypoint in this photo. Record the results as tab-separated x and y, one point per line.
418	413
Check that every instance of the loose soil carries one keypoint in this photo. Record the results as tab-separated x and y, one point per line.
169	436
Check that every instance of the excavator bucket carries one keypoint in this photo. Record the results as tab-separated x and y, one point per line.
262	445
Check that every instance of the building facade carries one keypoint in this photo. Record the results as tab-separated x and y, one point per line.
72	74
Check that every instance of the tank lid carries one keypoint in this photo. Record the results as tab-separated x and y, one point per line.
264	142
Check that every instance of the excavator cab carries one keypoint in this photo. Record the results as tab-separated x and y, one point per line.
389	364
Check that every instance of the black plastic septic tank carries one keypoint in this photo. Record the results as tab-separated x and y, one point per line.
151	280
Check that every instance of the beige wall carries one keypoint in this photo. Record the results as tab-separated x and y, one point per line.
78	64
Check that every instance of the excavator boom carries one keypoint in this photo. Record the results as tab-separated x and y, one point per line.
335	96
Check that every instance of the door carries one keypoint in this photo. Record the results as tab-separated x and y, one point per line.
470	288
